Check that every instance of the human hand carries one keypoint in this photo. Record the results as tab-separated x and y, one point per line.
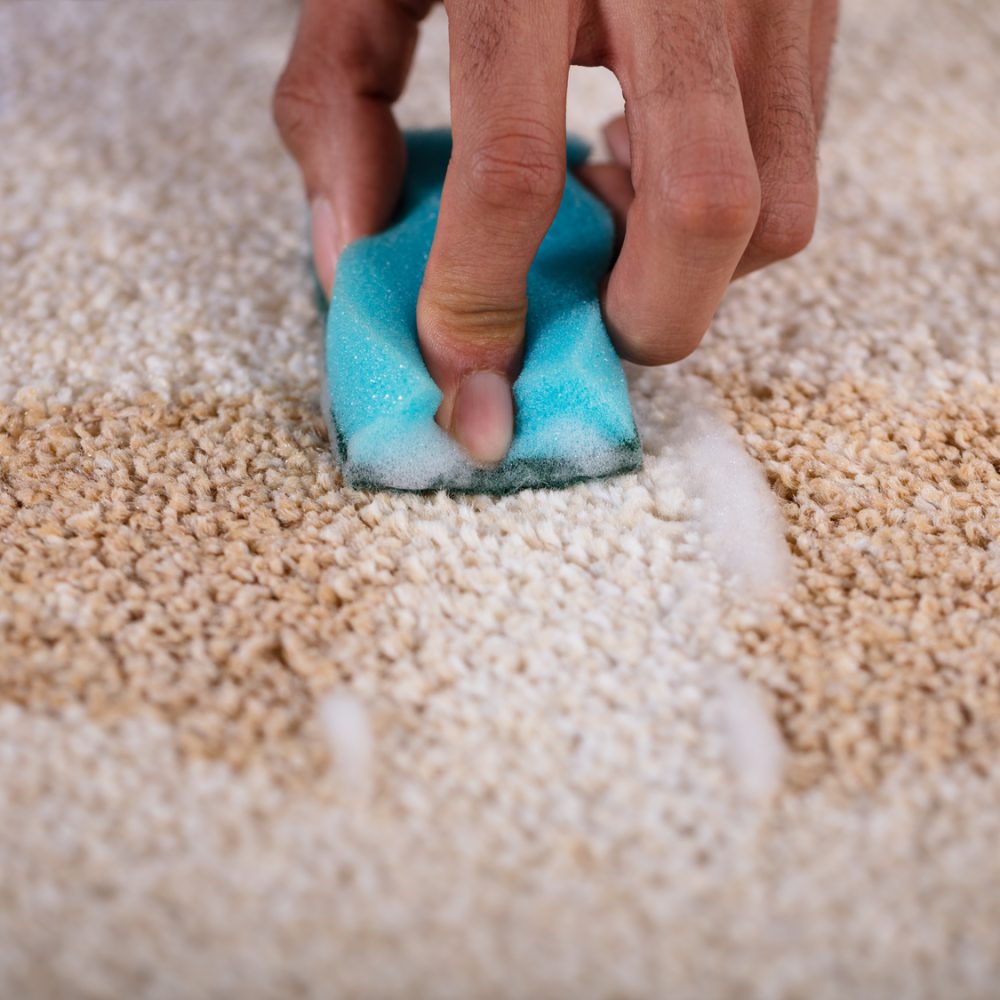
714	173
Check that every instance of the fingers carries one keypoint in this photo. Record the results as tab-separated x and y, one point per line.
772	46
509	68
332	106
697	194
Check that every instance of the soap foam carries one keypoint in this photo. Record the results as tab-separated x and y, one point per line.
756	750
737	508
348	733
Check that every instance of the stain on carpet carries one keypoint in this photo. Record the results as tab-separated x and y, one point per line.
199	559
195	559
890	644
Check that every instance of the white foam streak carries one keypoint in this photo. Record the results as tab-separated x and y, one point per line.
736	508
756	749
348	732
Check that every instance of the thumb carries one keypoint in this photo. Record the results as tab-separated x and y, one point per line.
500	195
334	113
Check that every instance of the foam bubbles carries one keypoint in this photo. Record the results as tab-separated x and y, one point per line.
755	748
348	732
735	506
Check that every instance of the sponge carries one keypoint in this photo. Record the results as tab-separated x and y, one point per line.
572	415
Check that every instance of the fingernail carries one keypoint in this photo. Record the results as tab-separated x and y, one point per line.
483	417
326	242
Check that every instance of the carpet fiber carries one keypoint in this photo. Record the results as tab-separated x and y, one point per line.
727	727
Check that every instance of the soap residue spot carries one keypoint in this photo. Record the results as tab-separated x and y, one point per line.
348	733
737	509
755	747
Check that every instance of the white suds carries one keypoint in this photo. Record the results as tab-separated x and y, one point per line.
348	732
756	749
737	509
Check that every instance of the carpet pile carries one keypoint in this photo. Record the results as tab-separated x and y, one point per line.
727	727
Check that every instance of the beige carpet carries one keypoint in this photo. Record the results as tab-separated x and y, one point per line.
726	728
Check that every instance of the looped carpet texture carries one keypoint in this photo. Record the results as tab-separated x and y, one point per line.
726	727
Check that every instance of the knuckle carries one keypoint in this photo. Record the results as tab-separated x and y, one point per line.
296	105
712	204
785	228
521	166
645	330
456	318
317	80
645	338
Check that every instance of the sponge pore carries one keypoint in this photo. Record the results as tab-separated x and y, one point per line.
572	415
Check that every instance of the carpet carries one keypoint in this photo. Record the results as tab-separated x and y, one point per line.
727	727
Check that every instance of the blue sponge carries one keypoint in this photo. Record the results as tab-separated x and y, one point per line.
572	415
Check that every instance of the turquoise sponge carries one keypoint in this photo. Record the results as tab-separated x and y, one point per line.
572	415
